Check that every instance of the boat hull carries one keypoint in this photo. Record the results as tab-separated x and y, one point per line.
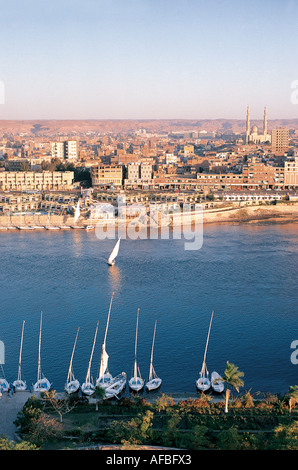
42	385
105	382
117	387
88	388
136	384
153	384
19	385
72	387
4	385
203	385
217	384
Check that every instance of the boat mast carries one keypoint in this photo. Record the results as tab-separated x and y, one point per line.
70	373
151	360
20	357
136	342
204	361
39	345
103	365
90	360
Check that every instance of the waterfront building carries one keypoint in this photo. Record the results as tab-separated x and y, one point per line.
291	173
31	180
107	176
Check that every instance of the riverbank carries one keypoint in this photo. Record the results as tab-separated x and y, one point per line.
234	214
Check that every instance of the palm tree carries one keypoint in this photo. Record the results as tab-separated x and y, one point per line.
232	377
99	394
293	396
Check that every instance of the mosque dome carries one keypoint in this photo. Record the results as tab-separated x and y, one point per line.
254	130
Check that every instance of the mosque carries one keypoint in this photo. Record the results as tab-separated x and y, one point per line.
252	134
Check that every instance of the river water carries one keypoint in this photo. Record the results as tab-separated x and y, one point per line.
246	274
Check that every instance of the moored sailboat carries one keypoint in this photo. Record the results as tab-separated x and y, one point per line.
217	383
105	378
114	253
20	384
154	382
116	386
203	384
72	384
88	387
136	382
42	384
4	384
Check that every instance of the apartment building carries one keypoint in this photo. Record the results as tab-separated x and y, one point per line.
107	175
291	173
30	180
280	140
67	150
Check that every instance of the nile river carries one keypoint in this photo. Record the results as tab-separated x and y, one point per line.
247	274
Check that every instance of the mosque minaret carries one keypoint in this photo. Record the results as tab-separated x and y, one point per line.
252	134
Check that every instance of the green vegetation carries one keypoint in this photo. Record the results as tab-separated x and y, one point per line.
201	423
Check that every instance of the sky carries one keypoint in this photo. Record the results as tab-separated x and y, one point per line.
148	59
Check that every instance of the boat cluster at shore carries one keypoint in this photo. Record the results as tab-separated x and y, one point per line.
113	386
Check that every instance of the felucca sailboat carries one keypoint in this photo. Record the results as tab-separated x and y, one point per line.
42	384
115	251
87	387
72	384
154	381
20	384
136	383
105	377
203	383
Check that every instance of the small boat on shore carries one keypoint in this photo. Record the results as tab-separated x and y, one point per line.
42	384
89	228
154	382
20	384
136	382
116	386
88	387
203	384
72	385
217	383
52	227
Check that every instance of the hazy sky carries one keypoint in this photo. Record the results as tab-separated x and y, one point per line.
147	59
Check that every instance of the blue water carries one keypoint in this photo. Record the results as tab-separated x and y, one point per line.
246	274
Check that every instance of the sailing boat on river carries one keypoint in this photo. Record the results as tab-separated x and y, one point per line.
154	381
136	383
87	387
42	384
203	383
115	251
20	384
72	384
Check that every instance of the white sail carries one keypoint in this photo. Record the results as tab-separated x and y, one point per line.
136	383
104	377
88	387
72	385
42	384
77	212
154	381
114	253
203	383
20	384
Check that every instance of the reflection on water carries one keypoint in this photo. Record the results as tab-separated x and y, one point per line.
114	276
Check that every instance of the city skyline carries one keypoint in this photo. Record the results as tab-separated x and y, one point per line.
142	59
